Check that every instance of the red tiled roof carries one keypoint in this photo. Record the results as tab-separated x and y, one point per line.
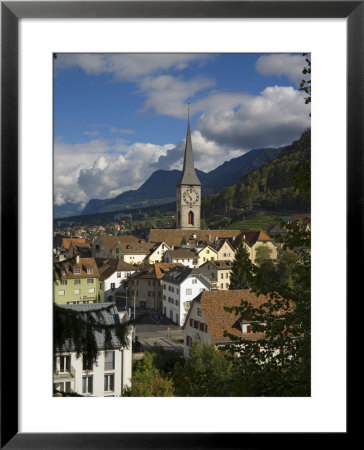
251	237
67	242
109	266
218	320
110	241
176	237
84	264
181	254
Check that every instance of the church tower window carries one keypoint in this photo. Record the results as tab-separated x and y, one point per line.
190	218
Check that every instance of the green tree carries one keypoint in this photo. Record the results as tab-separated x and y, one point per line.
262	254
305	85
207	373
147	381
241	271
279	364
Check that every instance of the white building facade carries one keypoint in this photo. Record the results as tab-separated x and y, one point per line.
179	291
107	377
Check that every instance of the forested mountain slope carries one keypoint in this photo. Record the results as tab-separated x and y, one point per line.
268	187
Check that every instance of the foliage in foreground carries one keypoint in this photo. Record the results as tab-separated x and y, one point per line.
147	381
207	373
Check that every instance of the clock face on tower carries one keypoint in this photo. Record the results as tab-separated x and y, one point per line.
190	196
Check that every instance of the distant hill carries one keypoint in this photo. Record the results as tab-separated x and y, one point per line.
268	187
160	187
67	209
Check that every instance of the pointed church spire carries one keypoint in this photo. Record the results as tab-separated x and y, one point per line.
188	175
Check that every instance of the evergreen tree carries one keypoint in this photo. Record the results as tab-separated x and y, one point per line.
240	277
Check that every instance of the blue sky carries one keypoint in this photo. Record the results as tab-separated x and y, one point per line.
119	117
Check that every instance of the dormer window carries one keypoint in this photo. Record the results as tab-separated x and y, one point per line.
89	270
77	271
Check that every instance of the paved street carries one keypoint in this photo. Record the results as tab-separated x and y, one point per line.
155	329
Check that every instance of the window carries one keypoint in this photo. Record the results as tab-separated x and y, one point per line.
207	251
90	280
203	327
188	291
110	360
191	322
222	275
117	250
89	270
227	285
65	363
77	271
113	286
76	291
87	384
77	282
109	382
64	282
194	280
118	274
199	312
227	275
248	329
196	324
64	386
91	291
222	285
60	292
190	218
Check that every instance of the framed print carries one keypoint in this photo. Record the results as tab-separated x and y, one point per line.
31	34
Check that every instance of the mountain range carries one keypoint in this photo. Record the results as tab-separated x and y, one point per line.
160	187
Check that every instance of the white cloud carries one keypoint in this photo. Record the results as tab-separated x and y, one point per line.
101	168
168	95
275	117
128	67
233	123
282	64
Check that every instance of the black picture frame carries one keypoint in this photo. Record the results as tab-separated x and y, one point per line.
11	12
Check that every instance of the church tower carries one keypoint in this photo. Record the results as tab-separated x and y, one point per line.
188	190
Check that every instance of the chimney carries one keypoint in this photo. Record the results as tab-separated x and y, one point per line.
77	259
